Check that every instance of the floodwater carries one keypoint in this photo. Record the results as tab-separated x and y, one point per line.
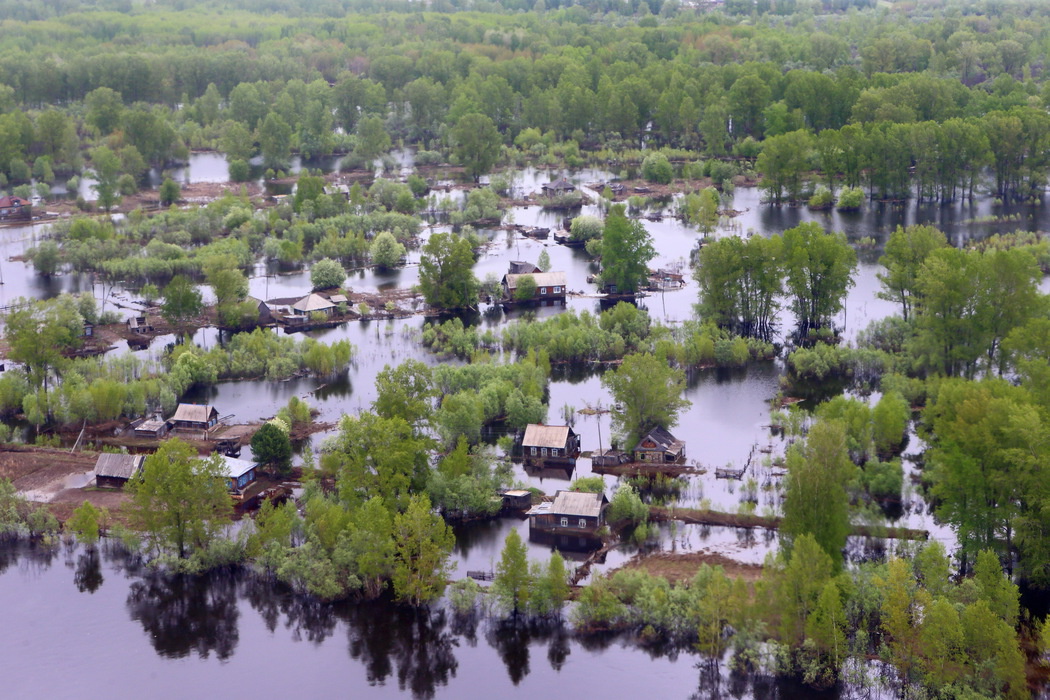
231	633
211	633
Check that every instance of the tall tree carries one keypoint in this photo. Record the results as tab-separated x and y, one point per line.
906	250
648	392
512	584
627	249
446	277
476	144
816	502
422	546
179	501
819	267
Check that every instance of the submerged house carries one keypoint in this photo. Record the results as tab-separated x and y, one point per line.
550	444
239	473
139	324
313	303
192	416
558	187
549	286
571	513
114	470
15	207
659	446
152	428
264	315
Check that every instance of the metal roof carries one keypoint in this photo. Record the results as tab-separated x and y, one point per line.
543	279
152	425
312	302
545	435
580	503
119	466
194	412
235	468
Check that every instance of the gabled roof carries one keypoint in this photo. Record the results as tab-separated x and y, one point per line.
663	439
338	299
12	201
579	503
119	466
559	184
312	302
152	425
519	267
545	435
235	468
194	413
543	279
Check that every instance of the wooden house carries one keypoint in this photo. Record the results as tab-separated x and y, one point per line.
520	267
609	458
15	207
659	446
550	444
549	286
239	473
558	187
313	303
571	512
114	470
192	416
152	428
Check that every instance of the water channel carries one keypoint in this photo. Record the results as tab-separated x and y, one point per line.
222	633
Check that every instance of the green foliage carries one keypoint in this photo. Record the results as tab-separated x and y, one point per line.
271	447
86	522
585	228
513	584
422	545
446	277
626	508
170	192
386	251
816	502
182	301
179	502
327	274
589	484
476	144
819	269
626	251
648	393
656	168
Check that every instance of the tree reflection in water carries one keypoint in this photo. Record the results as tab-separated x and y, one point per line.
88	574
183	614
414	640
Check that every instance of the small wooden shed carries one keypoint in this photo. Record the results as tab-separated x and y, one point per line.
239	473
114	470
152	428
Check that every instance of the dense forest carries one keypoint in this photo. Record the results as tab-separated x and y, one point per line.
821	103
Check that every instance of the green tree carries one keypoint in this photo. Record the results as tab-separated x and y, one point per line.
372	139
819	268
275	140
170	192
476	144
236	142
86	523
526	288
422	546
544	261
627	249
906	250
38	335
180	502
104	109
327	274
107	171
550	589
513	584
656	168
272	447
446	277
648	392
816	502
372	541
740	284
386	252
783	161
182	301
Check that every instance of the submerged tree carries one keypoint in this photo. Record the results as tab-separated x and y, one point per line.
422	546
627	249
819	267
512	584
446	275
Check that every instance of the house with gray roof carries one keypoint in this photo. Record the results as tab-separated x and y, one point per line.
114	470
549	444
571	512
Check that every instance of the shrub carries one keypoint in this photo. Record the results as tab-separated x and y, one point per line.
656	168
385	251
850	199
822	198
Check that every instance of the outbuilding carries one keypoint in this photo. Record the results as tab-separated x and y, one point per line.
152	428
239	473
114	470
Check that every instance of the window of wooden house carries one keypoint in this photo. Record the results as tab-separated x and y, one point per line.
583	522
543	290
533	451
543	451
554	452
565	522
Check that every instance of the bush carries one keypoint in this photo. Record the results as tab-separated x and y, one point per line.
656	168
585	228
385	251
170	192
822	198
240	171
327	274
850	199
